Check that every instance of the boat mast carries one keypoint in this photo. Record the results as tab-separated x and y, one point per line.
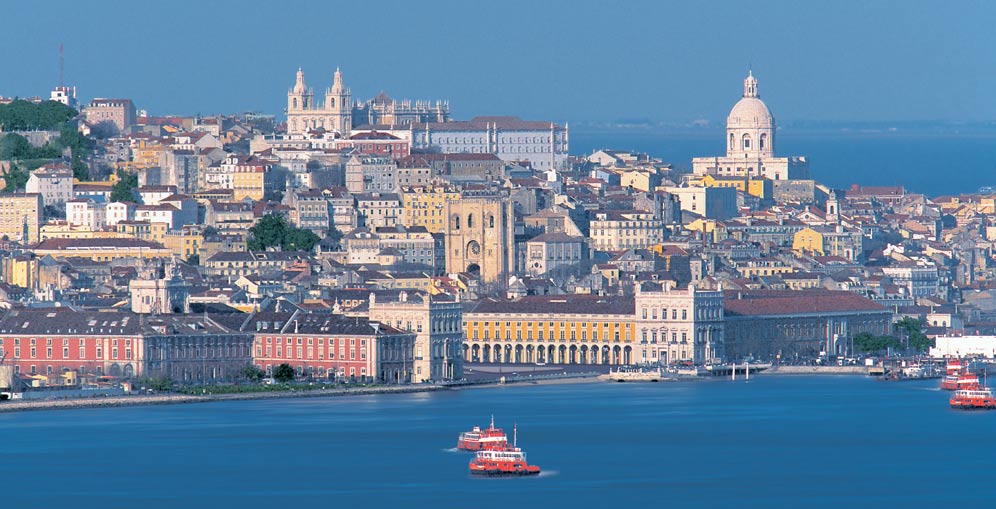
515	435
747	369
733	371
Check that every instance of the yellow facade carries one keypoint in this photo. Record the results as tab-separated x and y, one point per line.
248	184
142	230
21	271
551	338
760	188
750	271
20	216
64	230
184	243
106	254
808	240
636	179
424	206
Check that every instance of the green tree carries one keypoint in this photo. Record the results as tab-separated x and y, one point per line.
253	373
15	146
123	187
269	231
297	239
283	373
869	343
23	115
913	330
157	383
15	178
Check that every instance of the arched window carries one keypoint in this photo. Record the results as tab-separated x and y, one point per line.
331	102
746	142
470	220
732	145
294	102
491	221
456	222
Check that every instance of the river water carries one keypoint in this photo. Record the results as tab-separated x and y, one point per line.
777	441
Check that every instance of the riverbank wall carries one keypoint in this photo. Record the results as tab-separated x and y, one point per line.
176	399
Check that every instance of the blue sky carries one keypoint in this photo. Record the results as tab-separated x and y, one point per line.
577	61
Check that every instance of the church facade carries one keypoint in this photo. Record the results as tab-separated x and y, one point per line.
339	114
303	114
750	144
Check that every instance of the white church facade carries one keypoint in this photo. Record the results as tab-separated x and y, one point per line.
750	144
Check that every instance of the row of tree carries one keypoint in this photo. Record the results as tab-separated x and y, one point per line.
910	336
21	115
49	116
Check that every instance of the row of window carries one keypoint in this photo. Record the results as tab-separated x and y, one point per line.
65	353
311	353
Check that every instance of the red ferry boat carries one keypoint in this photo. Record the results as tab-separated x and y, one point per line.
508	462
490	439
965	380
975	399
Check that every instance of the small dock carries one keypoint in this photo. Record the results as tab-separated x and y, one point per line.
740	369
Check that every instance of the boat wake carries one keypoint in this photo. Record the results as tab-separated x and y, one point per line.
451	449
548	473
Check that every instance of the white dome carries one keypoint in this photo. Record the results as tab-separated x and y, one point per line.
750	112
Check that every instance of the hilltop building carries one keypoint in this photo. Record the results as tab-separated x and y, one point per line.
750	144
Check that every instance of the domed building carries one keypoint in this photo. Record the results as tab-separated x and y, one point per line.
750	144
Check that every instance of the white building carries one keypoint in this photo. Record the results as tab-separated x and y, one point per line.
379	209
919	277
64	95
618	230
543	144
674	325
709	202
964	346
371	174
119	211
750	144
86	212
551	250
152	195
54	182
162	213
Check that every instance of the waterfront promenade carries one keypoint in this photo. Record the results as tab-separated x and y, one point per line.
176	399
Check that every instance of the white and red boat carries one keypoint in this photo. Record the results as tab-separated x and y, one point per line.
477	439
507	462
975	399
965	380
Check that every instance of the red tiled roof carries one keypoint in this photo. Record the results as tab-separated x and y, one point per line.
780	302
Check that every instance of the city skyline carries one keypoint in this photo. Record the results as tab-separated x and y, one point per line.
587	64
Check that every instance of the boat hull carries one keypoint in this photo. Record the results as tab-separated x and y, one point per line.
499	472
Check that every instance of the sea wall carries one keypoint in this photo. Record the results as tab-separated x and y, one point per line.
173	399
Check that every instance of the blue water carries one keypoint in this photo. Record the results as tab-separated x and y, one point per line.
814	442
929	163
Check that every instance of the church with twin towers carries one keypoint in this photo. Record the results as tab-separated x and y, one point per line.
340	115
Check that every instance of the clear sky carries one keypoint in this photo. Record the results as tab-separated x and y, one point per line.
672	61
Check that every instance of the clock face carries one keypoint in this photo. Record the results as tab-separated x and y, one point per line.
474	248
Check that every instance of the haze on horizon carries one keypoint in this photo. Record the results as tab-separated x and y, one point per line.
671	62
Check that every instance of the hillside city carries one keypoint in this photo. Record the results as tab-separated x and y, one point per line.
382	241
